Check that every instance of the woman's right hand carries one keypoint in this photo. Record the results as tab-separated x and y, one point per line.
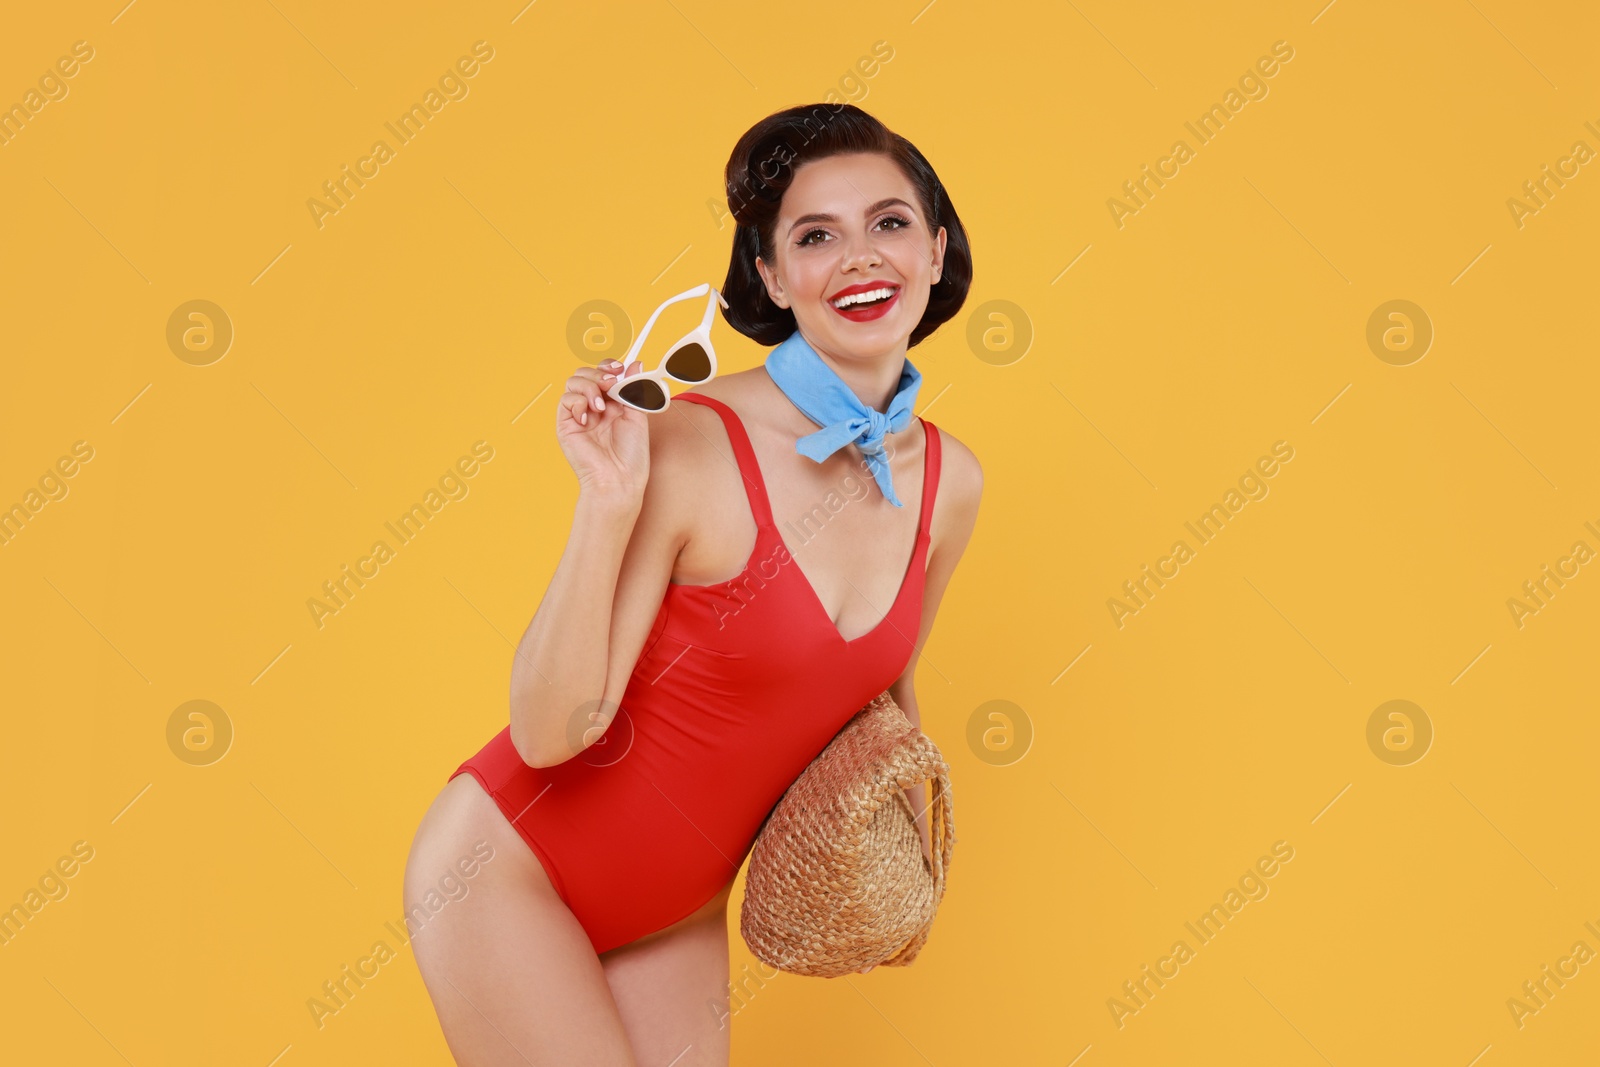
606	443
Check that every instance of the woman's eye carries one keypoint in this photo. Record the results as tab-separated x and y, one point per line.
899	222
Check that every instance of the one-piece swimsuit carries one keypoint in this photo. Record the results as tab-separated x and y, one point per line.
739	686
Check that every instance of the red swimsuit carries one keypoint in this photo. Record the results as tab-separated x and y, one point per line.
739	686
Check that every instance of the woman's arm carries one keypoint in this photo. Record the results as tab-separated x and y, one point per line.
561	659
955	515
575	658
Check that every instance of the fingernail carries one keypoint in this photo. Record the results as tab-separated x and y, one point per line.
583	420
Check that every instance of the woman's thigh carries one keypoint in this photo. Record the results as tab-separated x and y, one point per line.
512	975
671	988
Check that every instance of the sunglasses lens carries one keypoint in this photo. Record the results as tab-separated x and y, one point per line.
646	394
690	363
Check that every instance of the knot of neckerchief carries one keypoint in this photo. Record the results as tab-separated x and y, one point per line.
818	391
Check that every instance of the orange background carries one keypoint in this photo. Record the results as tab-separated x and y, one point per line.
1125	381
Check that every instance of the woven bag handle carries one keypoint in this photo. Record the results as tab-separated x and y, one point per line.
918	761
927	765
941	828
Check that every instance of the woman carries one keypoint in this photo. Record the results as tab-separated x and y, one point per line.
659	708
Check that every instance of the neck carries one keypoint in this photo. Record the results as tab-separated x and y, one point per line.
874	380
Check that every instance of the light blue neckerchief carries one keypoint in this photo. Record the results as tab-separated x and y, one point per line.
824	398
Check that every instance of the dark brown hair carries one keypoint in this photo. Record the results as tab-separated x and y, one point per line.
759	171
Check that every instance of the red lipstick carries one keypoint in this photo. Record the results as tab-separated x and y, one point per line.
865	312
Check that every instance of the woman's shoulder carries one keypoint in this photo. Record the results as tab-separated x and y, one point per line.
960	473
692	458
737	391
679	436
960	491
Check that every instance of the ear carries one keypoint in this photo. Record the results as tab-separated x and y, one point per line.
774	285
938	255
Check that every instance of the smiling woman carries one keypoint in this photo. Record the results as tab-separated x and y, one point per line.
768	160
684	667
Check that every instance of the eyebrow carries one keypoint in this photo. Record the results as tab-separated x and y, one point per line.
872	210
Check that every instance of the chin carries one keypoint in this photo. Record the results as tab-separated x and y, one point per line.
863	344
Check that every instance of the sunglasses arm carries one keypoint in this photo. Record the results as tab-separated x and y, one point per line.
711	309
688	294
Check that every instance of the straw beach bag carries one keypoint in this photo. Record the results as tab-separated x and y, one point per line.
837	878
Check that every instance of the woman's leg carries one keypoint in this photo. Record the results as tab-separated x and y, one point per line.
671	988
513	977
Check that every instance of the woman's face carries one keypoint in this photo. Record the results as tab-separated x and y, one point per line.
850	221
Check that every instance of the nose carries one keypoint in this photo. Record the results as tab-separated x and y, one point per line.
860	253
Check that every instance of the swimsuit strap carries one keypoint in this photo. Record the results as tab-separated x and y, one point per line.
930	475
754	487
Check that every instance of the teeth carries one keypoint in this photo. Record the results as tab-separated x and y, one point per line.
861	298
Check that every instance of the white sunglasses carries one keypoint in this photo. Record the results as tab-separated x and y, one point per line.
691	361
